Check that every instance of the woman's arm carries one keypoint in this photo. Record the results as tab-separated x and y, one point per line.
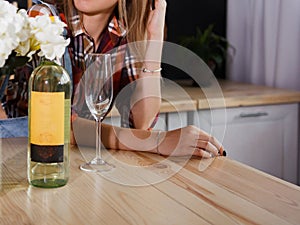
145	101
185	141
83	133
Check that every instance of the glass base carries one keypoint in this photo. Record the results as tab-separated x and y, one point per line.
97	165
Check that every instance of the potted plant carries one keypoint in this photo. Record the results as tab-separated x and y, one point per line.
210	47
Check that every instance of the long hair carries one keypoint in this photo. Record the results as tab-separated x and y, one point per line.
133	14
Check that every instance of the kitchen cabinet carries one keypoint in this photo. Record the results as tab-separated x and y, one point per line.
171	121
166	121
264	137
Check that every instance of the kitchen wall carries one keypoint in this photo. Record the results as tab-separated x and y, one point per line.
183	16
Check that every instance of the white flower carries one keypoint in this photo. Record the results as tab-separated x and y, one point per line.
10	27
47	32
26	35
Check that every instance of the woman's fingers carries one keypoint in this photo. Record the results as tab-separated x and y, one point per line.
202	153
156	20
158	4
203	136
208	147
190	140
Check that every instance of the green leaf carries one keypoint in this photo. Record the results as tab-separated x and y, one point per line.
209	46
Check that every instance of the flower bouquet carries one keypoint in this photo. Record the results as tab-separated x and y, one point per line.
22	36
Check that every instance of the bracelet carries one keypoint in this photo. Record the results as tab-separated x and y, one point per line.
145	70
157	142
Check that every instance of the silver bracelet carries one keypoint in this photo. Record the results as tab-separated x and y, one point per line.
157	142
145	70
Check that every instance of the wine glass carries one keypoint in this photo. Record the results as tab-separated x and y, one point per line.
98	97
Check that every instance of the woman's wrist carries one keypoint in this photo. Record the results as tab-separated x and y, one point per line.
146	70
158	36
153	54
149	68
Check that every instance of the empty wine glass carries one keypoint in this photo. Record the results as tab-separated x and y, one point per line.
98	96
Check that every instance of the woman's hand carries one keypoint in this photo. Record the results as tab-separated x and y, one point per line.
2	113
156	21
185	141
189	141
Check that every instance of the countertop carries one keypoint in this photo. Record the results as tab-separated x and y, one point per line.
183	96
225	93
146	189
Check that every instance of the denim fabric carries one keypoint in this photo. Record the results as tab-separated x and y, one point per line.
14	127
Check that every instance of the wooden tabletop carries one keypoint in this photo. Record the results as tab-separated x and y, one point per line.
146	189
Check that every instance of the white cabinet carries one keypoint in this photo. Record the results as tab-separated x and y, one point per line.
166	121
264	137
171	120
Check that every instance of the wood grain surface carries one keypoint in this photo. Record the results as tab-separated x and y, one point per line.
145	189
225	93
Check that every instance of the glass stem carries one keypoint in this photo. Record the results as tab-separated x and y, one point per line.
98	139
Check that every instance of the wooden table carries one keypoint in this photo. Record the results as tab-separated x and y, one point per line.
146	189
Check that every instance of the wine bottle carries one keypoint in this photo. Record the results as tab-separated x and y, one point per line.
50	92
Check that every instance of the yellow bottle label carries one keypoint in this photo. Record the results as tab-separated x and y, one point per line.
67	120
47	118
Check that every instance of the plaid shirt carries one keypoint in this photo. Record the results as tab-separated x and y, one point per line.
113	40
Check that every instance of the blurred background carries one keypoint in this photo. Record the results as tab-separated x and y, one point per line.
248	41
182	21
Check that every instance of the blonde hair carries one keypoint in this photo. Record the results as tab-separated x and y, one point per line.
133	14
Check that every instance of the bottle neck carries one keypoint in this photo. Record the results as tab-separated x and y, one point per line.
45	61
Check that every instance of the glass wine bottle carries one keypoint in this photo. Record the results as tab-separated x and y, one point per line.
50	92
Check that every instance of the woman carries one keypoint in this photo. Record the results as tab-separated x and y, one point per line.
100	26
